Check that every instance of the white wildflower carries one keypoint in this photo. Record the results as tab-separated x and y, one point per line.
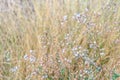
76	54
45	76
102	53
79	47
34	73
32	59
65	59
69	61
8	59
63	51
31	51
86	9
77	15
65	17
26	57
14	69
86	62
93	46
62	23
59	61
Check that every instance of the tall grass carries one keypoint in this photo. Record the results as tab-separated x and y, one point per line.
59	40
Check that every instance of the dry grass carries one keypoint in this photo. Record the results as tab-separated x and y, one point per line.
59	40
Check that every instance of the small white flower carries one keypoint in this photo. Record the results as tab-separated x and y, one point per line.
32	59
79	47
59	61
34	73
8	59
63	51
77	15
81	75
86	62
31	51
86	71
92	45
62	23
65	59
14	69
86	9
44	46
94	42
45	76
73	17
26	57
76	54
102	49
75	48
69	61
102	53
65	17
82	54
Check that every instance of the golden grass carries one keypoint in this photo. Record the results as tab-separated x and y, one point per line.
42	40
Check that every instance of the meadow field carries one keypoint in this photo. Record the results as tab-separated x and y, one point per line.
59	39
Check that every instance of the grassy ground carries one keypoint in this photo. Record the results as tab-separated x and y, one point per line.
60	40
